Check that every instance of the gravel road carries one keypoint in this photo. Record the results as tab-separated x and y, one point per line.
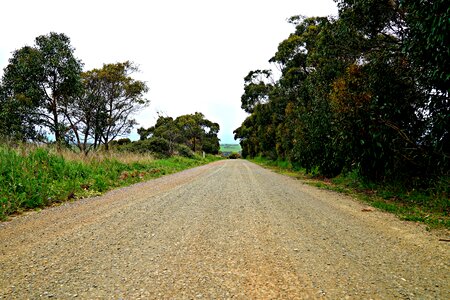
229	229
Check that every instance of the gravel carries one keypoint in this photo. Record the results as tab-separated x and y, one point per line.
230	229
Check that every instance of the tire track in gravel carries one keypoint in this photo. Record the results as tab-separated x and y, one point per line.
226	230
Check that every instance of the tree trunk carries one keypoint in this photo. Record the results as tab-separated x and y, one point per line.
56	125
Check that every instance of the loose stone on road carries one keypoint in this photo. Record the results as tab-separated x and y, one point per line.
230	229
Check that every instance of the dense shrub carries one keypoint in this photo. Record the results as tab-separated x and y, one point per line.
154	145
123	141
234	155
159	145
185	151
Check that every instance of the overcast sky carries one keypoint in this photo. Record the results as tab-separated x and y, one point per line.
192	54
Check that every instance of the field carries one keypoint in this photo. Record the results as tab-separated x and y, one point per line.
230	148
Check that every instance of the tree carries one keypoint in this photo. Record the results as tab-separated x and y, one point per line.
193	130
367	90
111	98
210	140
427	47
122	96
103	110
17	118
196	130
44	78
256	89
405	47
165	128
85	112
427	39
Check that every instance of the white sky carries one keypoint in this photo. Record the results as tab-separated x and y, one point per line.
192	54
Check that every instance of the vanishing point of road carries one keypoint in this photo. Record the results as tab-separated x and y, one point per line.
230	229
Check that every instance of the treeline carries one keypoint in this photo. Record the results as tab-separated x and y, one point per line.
366	91
46	97
184	136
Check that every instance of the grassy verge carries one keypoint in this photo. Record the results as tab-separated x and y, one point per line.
32	178
431	206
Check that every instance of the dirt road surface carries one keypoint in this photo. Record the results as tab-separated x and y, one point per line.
226	230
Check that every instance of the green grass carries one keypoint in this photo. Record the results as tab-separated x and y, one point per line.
230	148
39	177
429	206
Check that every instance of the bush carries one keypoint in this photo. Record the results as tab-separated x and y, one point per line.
234	155
155	145
124	141
211	147
185	151
159	146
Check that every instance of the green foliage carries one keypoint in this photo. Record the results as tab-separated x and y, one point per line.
39	81
185	151
123	141
234	155
428	23
43	91
165	128
427	47
158	145
194	131
121	96
38	177
364	91
104	110
256	89
155	145
18	114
